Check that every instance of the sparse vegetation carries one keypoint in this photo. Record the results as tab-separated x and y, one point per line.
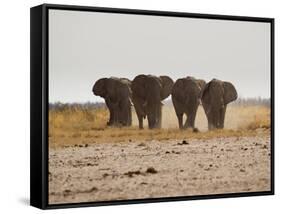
77	124
77	119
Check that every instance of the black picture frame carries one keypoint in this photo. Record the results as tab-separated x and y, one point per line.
39	103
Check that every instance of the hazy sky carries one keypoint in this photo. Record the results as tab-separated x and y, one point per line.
86	46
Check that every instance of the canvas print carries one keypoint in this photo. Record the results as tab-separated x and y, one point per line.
145	106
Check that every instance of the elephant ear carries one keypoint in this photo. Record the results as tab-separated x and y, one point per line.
99	87
205	95
126	81
138	85
110	86
178	91
128	84
201	83
230	93
167	85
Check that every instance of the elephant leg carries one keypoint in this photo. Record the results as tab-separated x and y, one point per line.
211	116
159	118
117	116
111	113
130	104
115	108
216	118
123	113
211	121
210	126
138	104
179	111
190	121
140	119
222	116
122	116
129	117
154	114
185	126
151	121
194	116
180	116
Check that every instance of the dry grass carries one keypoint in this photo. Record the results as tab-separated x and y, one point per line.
77	120
258	118
72	126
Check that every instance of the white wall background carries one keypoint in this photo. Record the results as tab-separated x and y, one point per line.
14	108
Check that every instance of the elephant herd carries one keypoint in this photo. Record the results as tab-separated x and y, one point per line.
146	93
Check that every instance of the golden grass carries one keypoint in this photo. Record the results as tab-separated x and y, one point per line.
72	126
77	120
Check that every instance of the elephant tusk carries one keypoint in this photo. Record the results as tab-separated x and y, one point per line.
131	103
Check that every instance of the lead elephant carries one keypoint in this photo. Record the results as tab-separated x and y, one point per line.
186	95
117	95
147	93
215	97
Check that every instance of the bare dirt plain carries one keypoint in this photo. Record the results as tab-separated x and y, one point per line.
109	164
130	170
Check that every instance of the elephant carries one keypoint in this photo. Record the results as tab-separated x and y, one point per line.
215	97
147	93
186	94
117	95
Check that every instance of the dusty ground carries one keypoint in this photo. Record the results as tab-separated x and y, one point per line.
147	169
